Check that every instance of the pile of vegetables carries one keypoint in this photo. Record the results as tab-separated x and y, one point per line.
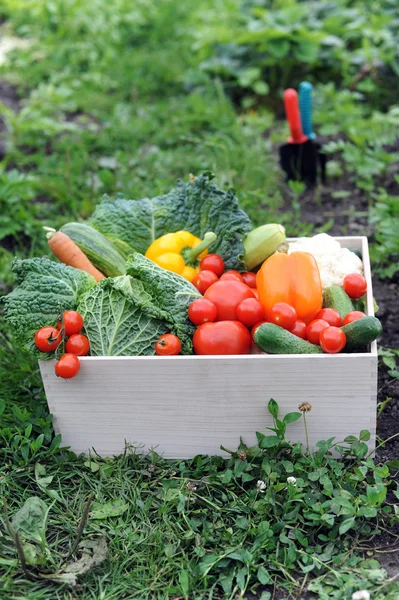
282	308
184	273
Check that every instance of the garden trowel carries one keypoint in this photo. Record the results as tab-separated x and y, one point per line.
298	158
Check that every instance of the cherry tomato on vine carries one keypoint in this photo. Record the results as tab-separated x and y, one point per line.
354	315
314	329
299	329
78	344
212	262
332	340
204	280
224	337
226	296
283	314
47	339
73	322
202	311
250	311
249	278
67	366
355	285
331	316
233	275
168	345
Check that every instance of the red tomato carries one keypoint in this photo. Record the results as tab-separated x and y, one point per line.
283	314
47	339
353	316
168	345
204	280
331	316
250	311
332	340
78	344
233	275
212	262
314	329
255	327
226	296
68	366
299	329
249	278
225	337
355	285
202	310
73	322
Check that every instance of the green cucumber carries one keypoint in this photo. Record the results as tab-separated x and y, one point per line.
97	248
335	297
273	339
360	333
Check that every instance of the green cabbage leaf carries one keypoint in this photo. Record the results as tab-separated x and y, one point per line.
46	288
116	322
197	206
124	316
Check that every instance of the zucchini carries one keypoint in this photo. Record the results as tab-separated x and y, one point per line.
275	340
360	333
335	297
97	248
122	247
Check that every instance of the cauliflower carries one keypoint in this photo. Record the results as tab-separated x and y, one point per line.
334	262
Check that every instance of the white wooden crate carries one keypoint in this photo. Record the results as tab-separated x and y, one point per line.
187	405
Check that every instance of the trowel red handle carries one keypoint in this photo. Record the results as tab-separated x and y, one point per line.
293	117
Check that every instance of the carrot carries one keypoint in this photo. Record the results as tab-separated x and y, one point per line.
70	254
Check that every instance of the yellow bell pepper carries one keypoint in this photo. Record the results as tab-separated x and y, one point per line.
180	252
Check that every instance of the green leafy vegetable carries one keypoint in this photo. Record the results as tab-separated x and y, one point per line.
169	292
117	322
46	288
124	316
197	206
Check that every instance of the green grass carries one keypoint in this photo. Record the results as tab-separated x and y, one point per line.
113	100
202	528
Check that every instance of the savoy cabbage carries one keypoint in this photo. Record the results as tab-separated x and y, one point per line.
124	316
197	206
46	288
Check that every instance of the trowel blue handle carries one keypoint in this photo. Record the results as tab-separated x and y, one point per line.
305	106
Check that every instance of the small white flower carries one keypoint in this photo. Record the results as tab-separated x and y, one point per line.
361	595
291	481
261	486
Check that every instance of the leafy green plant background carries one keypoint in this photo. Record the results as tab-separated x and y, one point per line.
127	97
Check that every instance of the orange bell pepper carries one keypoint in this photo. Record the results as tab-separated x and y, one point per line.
294	279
